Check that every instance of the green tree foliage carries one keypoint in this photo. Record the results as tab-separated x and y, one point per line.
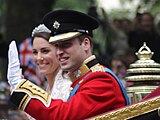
146	5
2	15
81	5
23	15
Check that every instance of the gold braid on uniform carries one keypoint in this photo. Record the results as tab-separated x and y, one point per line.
27	90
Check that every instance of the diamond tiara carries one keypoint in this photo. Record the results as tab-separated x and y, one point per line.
40	28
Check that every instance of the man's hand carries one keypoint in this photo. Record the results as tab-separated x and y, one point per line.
14	73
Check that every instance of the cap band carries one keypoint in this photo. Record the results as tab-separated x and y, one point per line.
64	36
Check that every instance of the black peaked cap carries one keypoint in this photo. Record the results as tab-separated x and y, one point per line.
65	21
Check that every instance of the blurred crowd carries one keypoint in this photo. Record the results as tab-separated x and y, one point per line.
125	36
119	40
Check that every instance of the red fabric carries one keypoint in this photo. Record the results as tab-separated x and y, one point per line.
97	94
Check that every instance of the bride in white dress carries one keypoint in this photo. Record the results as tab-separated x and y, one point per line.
44	56
45	59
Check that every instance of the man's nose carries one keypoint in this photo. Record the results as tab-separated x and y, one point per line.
59	51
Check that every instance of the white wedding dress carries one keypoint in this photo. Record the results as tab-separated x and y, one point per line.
61	87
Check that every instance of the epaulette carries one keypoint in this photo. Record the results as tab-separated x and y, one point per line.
97	68
27	90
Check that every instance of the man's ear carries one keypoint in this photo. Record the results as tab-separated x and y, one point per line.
86	43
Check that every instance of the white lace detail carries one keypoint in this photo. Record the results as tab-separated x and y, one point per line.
61	88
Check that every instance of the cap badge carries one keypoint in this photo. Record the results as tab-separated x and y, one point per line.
56	24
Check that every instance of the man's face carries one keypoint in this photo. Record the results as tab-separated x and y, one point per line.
70	54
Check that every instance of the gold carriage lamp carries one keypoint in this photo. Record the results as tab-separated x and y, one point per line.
144	73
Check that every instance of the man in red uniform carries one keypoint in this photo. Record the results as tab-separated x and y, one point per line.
95	88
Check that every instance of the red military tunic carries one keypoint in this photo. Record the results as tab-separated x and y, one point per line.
98	92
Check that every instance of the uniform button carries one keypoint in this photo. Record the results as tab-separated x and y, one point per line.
42	92
30	84
38	89
34	87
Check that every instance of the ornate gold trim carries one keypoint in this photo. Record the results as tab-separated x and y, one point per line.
143	78
79	73
24	101
148	64
97	68
63	37
131	111
144	70
32	91
90	59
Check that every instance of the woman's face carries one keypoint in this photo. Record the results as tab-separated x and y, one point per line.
44	56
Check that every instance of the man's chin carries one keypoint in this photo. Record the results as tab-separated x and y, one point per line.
65	68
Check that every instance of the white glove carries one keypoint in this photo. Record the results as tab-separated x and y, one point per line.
14	72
